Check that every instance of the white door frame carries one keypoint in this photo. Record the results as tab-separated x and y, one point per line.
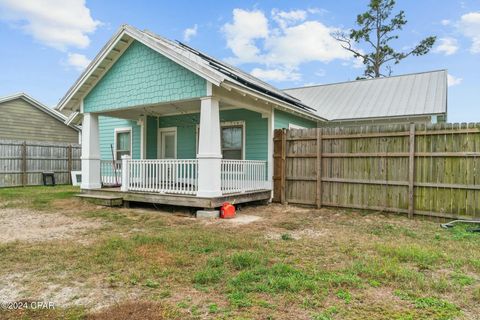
159	140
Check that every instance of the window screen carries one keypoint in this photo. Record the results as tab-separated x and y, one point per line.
124	144
232	142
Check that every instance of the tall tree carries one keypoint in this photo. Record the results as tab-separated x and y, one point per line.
377	30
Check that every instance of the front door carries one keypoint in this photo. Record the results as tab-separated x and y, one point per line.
168	143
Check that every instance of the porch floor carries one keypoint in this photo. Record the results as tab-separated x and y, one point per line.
180	199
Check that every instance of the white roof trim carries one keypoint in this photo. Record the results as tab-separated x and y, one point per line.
275	102
89	70
50	111
74	119
214	77
161	46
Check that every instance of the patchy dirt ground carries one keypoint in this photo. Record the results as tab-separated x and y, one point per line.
279	262
33	226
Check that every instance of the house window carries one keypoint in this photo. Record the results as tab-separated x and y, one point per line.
123	143
232	142
232	139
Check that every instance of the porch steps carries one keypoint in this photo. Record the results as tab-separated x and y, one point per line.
104	200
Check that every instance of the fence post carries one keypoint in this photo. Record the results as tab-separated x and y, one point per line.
24	163
283	167
411	172
69	163
319	167
125	173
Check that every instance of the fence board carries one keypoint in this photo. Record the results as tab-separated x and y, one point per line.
22	162
423	169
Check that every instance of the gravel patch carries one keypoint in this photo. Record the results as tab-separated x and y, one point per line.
33	226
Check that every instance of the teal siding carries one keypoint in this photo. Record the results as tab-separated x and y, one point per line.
143	76
256	132
107	127
283	119
152	134
186	133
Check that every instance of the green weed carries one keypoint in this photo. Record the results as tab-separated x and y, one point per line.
244	260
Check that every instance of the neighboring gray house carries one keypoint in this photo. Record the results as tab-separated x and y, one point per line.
418	97
24	118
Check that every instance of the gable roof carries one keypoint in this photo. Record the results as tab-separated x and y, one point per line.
211	69
405	95
37	104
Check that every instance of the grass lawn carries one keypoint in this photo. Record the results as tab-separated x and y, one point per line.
294	263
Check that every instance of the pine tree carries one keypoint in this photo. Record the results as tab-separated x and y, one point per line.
377	30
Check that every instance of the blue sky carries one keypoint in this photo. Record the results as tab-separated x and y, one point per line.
45	44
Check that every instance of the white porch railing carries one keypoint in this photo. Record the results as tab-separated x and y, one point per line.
244	175
177	176
111	172
180	176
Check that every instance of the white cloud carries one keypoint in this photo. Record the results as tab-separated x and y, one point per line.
55	23
286	18
247	26
470	26
281	44
453	81
189	33
317	11
447	46
275	74
305	42
78	61
445	22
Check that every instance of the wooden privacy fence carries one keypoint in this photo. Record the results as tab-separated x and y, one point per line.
431	170
22	162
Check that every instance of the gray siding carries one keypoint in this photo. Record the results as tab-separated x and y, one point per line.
19	120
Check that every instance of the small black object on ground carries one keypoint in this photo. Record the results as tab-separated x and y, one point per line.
48	178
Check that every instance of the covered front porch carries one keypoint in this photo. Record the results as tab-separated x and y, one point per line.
165	121
198	153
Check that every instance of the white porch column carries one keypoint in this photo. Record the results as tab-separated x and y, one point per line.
125	173
209	149
90	152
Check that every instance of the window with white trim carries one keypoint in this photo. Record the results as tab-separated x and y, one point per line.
232	142
232	136
123	143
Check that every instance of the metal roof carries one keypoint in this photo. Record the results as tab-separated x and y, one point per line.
232	73
209	68
405	95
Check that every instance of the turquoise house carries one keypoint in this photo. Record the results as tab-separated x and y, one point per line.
165	123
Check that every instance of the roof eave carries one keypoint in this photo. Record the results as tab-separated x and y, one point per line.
214	78
87	72
274	101
415	115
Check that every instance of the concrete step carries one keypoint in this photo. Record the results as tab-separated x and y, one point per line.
109	201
